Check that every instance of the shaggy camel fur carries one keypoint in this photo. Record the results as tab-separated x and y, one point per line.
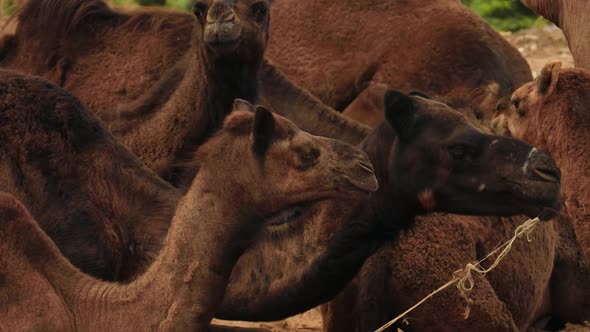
440	47
213	224
572	18
546	276
140	60
108	213
322	248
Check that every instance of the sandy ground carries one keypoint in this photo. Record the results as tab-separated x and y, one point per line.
539	46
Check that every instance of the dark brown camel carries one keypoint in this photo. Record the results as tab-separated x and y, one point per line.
148	61
213	225
101	195
572	18
543	277
440	47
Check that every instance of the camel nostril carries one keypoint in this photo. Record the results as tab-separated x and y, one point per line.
548	174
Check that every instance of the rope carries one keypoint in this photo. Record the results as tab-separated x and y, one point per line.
463	278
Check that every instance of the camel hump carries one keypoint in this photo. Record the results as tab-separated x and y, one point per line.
57	18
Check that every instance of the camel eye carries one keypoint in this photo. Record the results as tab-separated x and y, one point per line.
516	103
260	10
308	158
199	10
461	152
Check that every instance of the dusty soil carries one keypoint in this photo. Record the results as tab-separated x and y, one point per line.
541	45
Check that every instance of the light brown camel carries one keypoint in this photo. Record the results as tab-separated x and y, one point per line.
109	214
572	18
440	47
213	224
140	60
552	113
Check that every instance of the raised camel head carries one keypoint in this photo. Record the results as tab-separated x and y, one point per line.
259	165
233	26
442	162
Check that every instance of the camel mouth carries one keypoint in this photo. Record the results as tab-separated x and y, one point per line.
289	215
222	35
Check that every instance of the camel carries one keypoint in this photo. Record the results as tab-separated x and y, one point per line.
134	70
571	17
214	223
550	112
544	277
108	213
438	47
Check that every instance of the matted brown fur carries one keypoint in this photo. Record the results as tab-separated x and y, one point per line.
112	59
439	47
212	226
545	276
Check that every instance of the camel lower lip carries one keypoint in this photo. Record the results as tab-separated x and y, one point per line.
288	215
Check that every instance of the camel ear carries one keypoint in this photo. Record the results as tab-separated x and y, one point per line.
263	130
547	80
400	112
243	105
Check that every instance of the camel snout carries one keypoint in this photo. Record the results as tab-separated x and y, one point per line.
361	175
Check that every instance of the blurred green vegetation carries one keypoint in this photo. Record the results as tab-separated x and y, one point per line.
8	7
505	15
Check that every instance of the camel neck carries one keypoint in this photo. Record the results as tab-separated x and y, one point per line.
187	281
204	98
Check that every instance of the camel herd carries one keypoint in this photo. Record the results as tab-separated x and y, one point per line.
159	169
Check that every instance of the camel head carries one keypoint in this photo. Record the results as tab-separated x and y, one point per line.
233	26
444	163
552	105
284	170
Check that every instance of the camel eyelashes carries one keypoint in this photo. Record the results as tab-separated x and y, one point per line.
263	130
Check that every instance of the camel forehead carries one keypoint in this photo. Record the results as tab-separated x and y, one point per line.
441	111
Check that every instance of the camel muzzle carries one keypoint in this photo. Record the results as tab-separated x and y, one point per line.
222	25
